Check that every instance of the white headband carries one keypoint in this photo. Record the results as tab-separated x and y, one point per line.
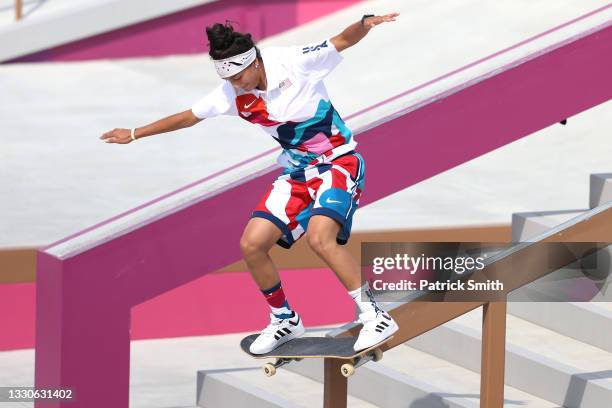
231	66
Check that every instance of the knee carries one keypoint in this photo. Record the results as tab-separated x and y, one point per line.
250	247
320	243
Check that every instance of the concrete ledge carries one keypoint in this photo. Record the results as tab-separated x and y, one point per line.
601	189
84	20
530	224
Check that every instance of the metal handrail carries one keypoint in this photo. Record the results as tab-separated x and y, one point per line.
18	10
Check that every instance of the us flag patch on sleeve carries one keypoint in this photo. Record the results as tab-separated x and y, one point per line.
285	84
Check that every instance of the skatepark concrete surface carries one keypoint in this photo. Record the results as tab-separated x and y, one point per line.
58	177
164	371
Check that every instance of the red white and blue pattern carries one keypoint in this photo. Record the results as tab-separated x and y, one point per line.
323	136
330	189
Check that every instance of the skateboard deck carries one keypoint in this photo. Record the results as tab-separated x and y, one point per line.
317	347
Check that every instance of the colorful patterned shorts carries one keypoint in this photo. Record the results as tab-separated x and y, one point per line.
331	189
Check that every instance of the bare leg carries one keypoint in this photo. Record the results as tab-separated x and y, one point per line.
258	238
321	235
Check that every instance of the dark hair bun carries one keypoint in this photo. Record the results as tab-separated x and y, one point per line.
224	42
220	36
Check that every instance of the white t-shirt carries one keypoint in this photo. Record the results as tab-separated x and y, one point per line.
295	109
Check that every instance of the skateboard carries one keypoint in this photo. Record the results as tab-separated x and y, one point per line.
317	347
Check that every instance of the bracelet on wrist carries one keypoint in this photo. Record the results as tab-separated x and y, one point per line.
364	17
133	134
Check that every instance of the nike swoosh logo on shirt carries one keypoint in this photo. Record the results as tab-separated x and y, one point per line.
250	104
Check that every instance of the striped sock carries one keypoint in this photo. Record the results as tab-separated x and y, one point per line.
278	302
369	303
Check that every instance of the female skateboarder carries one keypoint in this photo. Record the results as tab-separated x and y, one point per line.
281	89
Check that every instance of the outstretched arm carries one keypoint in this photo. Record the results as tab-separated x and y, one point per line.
174	122
355	32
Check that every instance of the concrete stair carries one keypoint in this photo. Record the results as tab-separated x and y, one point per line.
252	388
587	324
528	225
539	361
407	376
601	189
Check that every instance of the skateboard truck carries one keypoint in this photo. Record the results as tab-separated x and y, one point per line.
348	369
270	368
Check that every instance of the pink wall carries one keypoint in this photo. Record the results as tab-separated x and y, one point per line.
183	32
231	302
17	315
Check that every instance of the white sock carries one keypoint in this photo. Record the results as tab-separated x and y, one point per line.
368	303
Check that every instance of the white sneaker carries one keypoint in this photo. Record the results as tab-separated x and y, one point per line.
377	326
279	331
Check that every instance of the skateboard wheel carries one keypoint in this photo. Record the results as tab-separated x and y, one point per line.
378	355
347	370
269	369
